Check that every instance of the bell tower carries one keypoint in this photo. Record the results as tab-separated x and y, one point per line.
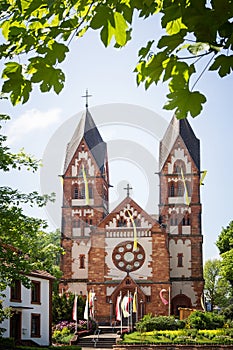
85	200
180	212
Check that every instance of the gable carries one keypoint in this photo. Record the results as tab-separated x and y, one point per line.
126	212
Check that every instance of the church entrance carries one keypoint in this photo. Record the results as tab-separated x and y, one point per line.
15	326
178	301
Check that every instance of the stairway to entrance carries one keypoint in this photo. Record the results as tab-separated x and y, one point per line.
98	340
104	338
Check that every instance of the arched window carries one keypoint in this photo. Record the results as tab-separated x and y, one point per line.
180	189
186	219
178	165
173	219
75	195
90	190
82	191
121	223
82	261
180	260
171	190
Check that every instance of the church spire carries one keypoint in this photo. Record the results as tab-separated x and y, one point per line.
88	131
182	128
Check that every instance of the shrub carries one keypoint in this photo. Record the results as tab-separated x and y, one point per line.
62	336
227	312
7	342
205	320
150	323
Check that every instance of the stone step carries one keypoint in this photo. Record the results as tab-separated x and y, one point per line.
102	340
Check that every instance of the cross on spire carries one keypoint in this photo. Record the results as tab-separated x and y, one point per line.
128	188
87	97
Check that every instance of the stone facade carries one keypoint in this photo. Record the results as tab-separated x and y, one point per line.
127	253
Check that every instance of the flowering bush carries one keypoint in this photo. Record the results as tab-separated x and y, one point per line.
65	324
81	325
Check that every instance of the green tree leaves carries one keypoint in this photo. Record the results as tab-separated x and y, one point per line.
41	31
15	84
217	289
223	64
225	246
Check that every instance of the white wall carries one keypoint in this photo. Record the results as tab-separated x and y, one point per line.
26	308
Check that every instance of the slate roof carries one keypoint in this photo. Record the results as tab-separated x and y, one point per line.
87	129
183	129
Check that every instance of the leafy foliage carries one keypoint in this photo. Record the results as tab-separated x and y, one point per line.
217	288
149	323
63	307
205	320
41	32
225	246
23	244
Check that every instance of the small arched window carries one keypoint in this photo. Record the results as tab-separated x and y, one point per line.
82	191
180	189
76	192
82	261
121	223
178	165
186	219
90	190
172	190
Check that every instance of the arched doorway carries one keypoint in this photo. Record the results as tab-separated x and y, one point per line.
178	301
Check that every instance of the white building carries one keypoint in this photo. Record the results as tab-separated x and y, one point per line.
31	318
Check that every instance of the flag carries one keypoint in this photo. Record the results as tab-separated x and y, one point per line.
86	186
135	242
135	301
187	201
164	301
118	309
91	303
125	306
86	313
202	302
203	176
74	313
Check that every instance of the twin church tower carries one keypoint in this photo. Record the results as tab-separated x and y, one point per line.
127	251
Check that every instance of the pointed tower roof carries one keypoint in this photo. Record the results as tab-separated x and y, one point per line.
182	128
88	131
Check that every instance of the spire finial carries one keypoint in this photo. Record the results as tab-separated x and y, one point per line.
87	97
128	188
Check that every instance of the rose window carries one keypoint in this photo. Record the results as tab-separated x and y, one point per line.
127	259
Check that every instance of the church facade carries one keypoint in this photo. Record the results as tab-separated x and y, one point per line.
127	252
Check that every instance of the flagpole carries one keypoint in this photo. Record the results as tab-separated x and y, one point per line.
169	301
76	321
121	311
128	312
136	291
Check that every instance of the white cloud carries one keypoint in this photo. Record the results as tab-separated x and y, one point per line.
31	121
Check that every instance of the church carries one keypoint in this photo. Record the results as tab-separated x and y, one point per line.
127	253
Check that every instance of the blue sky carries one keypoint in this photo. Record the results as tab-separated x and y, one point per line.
108	74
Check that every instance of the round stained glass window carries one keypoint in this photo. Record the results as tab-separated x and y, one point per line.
125	258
